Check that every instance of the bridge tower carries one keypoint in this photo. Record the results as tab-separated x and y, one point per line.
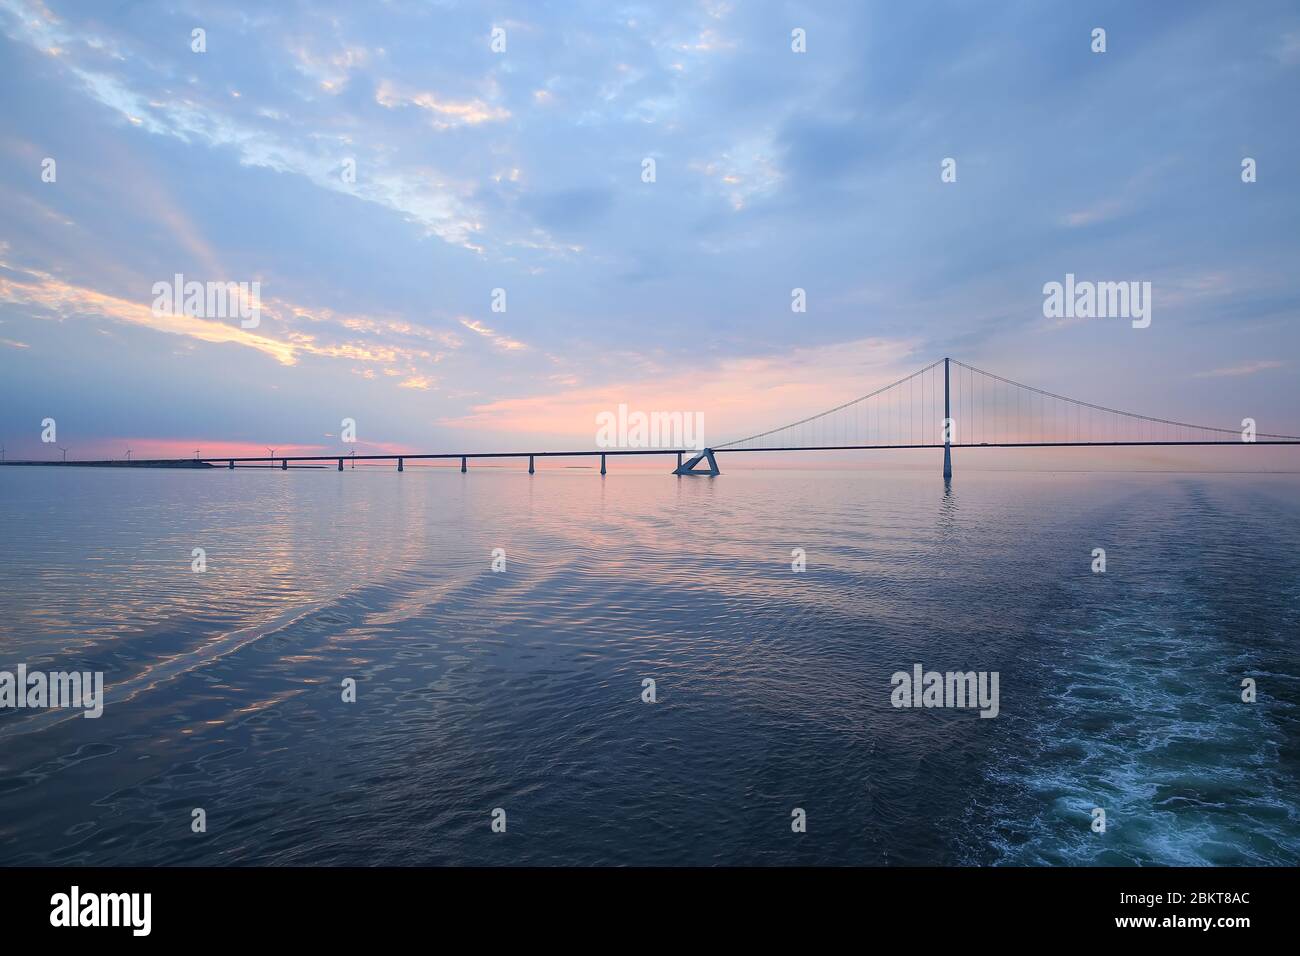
947	427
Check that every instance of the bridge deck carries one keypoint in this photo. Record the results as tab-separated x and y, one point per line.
224	461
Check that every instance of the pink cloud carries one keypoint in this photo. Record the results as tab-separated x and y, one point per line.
737	396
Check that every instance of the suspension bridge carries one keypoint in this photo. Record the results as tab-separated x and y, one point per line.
947	404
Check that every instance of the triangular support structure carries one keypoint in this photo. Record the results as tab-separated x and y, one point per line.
689	467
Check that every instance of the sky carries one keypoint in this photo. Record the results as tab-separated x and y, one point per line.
522	168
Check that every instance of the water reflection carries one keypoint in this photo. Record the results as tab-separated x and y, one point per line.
522	689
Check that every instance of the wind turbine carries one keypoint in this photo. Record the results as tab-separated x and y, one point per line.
354	459
65	454
128	456
272	451
2	452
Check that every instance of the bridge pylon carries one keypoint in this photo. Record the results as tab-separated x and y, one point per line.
947	426
688	468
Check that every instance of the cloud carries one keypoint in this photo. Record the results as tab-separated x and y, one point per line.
742	172
1246	368
331	72
67	300
497	339
419	194
444	113
1098	212
738	395
1289	51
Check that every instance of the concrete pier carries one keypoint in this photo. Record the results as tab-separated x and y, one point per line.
602	464
530	464
463	467
689	467
399	465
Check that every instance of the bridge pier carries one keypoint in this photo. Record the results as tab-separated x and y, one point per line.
947	462
463	468
689	467
678	472
232	464
530	464
602	464
399	465
284	464
340	464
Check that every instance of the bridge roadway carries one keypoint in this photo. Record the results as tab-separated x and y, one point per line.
283	461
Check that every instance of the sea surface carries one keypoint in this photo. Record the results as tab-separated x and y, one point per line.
522	689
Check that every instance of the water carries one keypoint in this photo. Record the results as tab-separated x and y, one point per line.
522	689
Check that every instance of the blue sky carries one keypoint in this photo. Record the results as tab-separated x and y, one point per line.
521	170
